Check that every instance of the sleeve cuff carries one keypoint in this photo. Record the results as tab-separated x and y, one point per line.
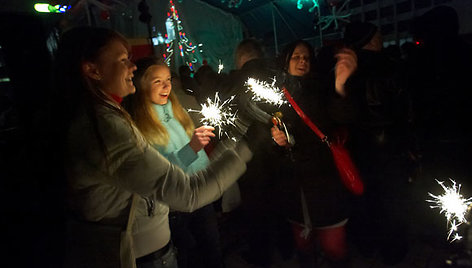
187	155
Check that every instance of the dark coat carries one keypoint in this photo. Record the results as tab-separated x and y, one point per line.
313	168
383	127
382	137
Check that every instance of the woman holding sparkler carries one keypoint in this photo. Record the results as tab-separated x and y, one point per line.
164	122
314	194
119	187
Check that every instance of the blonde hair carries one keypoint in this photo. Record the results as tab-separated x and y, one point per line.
142	111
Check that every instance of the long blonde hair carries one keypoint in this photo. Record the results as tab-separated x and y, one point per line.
141	107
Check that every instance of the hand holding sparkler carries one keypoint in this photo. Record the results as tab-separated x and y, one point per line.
201	137
279	136
216	113
279	131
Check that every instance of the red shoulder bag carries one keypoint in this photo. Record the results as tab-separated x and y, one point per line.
347	169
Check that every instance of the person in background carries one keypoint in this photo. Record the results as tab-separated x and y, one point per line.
164	122
207	82
119	188
308	177
266	231
382	144
247	57
183	86
186	78
247	50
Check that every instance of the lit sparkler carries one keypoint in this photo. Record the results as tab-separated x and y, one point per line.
220	66
454	207
265	92
216	113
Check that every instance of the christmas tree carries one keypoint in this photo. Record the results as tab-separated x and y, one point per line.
179	49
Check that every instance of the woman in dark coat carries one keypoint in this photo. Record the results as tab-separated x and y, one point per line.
309	168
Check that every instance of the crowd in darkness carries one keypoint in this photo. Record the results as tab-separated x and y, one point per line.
402	110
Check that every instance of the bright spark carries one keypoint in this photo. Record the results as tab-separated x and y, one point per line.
217	114
265	92
456	237
220	67
453	205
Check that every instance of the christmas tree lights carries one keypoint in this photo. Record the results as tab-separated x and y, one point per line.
186	49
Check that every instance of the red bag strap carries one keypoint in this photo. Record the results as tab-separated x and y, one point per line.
304	117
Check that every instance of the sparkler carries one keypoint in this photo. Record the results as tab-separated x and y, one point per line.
454	207
217	114
265	92
220	66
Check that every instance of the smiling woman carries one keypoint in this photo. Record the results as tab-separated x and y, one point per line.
317	202
113	70
119	187
300	61
160	84
164	122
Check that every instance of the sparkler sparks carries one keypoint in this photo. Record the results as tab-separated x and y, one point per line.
217	114
454	207
220	66
265	92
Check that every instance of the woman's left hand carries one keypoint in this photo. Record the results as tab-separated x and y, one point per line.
201	137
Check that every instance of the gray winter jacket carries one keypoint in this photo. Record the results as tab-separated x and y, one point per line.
100	191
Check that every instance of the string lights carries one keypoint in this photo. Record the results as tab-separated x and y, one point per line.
176	36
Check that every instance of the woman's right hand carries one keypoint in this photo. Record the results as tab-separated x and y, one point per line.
279	136
201	137
346	65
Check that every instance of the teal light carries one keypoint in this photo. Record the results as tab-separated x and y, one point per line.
315	4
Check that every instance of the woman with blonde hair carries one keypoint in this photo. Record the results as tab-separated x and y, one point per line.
119	188
168	127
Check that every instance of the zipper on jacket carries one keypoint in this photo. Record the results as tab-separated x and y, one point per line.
150	206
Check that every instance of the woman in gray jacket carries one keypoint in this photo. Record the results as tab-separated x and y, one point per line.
119	187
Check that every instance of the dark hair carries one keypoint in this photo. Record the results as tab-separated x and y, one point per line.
74	91
358	34
287	52
75	47
439	23
184	71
